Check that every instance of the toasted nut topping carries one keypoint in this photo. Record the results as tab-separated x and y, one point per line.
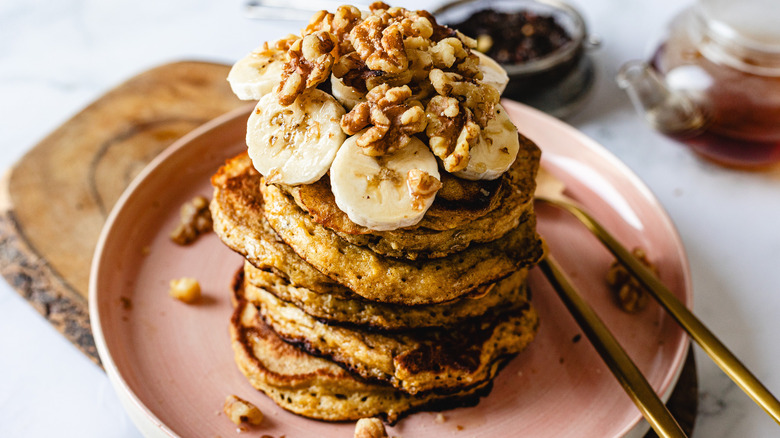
481	100
419	78
628	293
422	185
451	131
370	428
339	24
380	45
309	64
394	118
185	289
195	219
241	411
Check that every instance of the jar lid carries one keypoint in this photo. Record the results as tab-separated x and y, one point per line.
744	35
752	23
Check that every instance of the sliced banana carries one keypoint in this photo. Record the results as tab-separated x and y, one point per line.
388	192
346	95
492	72
256	74
495	151
295	144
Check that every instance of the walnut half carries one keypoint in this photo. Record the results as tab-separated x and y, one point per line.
241	411
451	131
629	294
194	220
394	118
422	185
370	428
380	44
309	64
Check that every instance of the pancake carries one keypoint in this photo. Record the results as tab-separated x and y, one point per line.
317	388
399	281
236	211
442	360
368	314
239	219
445	229
247	232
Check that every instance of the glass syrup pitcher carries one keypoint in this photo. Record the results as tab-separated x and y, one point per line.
714	81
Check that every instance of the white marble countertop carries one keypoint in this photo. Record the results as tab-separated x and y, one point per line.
56	57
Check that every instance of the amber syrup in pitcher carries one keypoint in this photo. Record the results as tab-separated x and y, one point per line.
737	84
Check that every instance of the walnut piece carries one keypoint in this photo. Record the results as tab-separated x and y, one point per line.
185	289
280	45
309	63
380	44
392	116
339	25
478	98
457	115
629	294
451	132
370	428
241	411
422	185
194	220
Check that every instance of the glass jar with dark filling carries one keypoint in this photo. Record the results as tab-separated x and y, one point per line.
541	44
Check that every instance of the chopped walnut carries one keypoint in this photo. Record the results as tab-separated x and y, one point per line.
380	44
195	219
241	411
370	428
309	64
447	51
280	45
388	39
422	185
339	24
630	295
378	5
481	100
394	118
451	132
185	289
397	47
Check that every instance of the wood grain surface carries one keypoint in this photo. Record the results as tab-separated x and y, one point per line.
54	201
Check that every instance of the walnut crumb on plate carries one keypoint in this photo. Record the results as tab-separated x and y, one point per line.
370	428
241	411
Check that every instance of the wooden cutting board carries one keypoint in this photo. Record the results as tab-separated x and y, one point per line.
54	201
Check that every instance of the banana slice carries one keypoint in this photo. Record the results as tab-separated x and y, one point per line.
295	144
495	151
492	72
256	74
346	95
388	192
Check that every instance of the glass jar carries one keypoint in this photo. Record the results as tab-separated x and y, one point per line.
557	82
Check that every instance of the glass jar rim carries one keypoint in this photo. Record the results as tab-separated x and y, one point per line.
578	33
722	43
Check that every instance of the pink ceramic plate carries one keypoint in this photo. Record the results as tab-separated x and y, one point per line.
172	363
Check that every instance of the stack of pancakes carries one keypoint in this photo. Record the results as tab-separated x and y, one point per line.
335	321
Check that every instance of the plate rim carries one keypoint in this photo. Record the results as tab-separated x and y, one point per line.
126	395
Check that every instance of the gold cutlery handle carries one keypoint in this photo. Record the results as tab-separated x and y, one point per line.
624	369
721	355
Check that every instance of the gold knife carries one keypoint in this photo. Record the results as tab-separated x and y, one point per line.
621	365
550	191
